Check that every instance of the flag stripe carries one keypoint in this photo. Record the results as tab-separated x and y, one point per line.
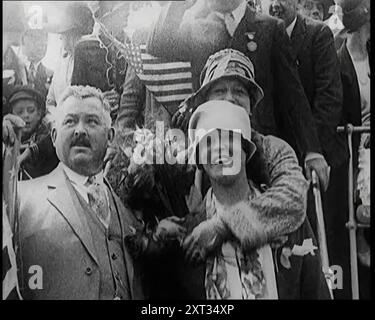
169	98
171	87
157	65
163	77
10	281
171	93
168	81
167	71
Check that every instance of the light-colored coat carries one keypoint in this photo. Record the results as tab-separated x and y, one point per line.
55	235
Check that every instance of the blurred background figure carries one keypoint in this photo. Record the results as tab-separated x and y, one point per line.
96	62
75	21
336	25
14	24
315	9
318	66
354	56
34	48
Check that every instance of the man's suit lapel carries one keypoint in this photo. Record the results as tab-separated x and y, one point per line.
63	198
298	36
125	223
347	66
248	36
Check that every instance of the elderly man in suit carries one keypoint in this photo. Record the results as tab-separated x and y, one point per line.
319	70
72	224
285	110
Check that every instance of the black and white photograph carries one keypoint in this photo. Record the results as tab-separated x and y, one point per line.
192	150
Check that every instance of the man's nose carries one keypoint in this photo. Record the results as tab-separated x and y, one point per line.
230	97
24	115
80	128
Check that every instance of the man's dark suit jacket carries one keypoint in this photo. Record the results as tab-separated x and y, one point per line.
318	66
285	106
351	96
92	66
43	79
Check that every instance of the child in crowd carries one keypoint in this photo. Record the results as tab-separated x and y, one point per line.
38	155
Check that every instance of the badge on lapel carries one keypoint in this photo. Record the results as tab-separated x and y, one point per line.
251	45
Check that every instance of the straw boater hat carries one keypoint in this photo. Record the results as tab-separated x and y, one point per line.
219	114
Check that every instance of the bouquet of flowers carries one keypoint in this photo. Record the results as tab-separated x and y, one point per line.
144	178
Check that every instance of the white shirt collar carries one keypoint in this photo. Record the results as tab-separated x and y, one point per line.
27	62
290	28
79	179
36	65
239	12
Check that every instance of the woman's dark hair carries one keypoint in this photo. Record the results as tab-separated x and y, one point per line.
26	93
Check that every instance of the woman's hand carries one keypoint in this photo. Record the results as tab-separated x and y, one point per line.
204	239
170	229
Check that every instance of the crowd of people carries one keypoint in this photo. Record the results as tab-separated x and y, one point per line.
268	91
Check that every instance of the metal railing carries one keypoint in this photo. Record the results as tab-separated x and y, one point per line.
352	224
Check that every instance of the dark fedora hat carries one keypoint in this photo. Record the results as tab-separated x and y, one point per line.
355	13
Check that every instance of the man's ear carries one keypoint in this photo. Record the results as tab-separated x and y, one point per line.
111	135
53	136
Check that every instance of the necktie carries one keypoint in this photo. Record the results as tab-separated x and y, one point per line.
97	200
32	74
230	23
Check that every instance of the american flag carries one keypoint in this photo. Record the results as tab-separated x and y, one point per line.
10	222
10	280
170	82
